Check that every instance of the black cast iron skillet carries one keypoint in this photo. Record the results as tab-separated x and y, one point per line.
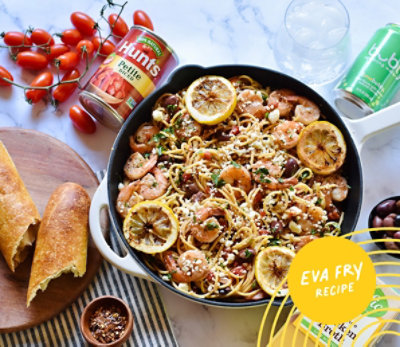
182	78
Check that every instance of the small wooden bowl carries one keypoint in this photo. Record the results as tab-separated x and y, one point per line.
105	301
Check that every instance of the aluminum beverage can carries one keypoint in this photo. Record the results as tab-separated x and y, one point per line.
373	79
140	62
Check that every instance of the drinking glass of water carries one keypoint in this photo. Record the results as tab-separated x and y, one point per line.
313	43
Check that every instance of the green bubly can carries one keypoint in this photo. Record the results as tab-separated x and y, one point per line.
374	77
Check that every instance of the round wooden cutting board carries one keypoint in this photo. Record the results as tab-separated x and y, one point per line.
44	163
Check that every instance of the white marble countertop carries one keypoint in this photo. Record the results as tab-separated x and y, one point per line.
206	33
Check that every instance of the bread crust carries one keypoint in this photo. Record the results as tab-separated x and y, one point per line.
19	217
62	240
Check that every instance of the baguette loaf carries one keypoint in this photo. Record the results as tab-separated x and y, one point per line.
19	217
62	240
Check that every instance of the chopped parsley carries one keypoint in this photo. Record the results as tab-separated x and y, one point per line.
178	123
314	231
274	242
146	155
159	136
160	149
304	175
291	188
169	276
264	180
169	130
262	170
247	253
235	164
318	202
194	219
254	285
266	115
155	184
218	182
280	180
264	97
171	107
211	226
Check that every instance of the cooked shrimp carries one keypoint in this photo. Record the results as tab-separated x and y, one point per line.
206	227
269	175
153	185
189	266
278	100
143	141
137	166
287	133
306	111
248	101
186	127
279	184
237	177
303	241
338	186
126	199
266	168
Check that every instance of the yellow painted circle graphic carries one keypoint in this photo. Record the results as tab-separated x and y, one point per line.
331	280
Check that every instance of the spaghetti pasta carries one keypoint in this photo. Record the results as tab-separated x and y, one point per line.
230	187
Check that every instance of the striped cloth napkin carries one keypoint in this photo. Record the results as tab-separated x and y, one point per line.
151	324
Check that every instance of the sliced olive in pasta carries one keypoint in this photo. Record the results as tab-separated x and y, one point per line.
271	267
151	227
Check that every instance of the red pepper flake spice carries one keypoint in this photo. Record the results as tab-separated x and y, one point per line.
107	324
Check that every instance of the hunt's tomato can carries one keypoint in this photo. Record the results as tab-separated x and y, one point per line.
141	61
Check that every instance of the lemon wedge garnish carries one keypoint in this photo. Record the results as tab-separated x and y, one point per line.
151	227
210	99
271	267
322	147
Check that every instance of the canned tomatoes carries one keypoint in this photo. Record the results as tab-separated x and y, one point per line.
374	77
140	62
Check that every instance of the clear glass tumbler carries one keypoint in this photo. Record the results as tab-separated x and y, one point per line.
313	43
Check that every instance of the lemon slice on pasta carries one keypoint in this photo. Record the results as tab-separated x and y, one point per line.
271	267
322	147
151	227
210	99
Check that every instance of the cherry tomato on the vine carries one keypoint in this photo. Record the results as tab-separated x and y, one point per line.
67	61
32	60
41	37
84	23
63	91
4	73
16	38
56	50
81	120
89	47
142	18
44	79
107	47
71	37
120	27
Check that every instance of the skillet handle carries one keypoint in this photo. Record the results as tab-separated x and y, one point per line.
364	128
126	263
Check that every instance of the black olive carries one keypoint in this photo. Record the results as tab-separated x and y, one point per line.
386	207
291	167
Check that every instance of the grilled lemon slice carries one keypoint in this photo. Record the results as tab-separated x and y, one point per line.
322	147
271	267
210	99
151	227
